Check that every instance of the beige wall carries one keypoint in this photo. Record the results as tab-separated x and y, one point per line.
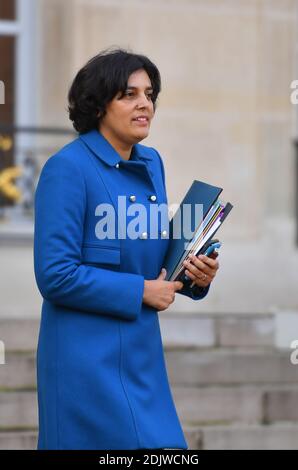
224	116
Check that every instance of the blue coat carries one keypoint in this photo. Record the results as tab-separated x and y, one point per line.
101	375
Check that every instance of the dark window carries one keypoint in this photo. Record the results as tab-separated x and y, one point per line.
7	54
7	10
7	118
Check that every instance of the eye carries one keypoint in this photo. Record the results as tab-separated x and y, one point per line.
128	93
131	94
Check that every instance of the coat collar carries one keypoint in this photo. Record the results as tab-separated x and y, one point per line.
102	148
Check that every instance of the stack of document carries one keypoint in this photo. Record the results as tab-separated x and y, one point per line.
203	198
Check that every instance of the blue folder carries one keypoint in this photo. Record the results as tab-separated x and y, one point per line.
199	193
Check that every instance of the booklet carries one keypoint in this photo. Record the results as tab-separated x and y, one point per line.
196	221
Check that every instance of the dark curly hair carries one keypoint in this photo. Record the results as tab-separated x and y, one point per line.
99	81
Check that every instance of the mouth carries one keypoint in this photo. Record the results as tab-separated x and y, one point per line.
141	120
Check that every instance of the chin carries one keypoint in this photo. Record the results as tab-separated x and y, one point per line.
141	135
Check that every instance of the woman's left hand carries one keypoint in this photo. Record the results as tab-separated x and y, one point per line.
202	270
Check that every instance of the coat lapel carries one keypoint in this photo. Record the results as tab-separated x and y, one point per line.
141	160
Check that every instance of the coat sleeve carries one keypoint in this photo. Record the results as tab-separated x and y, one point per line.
195	292
60	205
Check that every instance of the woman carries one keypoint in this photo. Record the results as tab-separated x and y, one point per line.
101	375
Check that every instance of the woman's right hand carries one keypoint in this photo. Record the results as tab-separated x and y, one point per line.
159	293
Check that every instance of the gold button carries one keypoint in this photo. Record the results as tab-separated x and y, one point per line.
164	233
132	198
152	198
144	235
117	165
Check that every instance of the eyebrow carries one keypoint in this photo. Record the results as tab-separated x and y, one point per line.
135	87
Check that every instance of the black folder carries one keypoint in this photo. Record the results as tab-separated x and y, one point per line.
213	212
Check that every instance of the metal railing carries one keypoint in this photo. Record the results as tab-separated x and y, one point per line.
23	152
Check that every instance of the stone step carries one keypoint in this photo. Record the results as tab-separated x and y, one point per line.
195	406
19	334
194	367
281	405
252	437
19	371
211	330
243	404
185	367
281	436
19	440
178	330
218	404
18	409
27	440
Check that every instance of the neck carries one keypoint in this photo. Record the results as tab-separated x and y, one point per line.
124	149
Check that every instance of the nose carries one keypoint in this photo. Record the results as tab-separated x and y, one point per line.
143	101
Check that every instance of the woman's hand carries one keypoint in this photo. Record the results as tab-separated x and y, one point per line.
201	269
159	293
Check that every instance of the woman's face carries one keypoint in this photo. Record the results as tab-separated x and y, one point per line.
127	119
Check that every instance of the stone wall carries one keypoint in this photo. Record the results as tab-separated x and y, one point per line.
224	116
